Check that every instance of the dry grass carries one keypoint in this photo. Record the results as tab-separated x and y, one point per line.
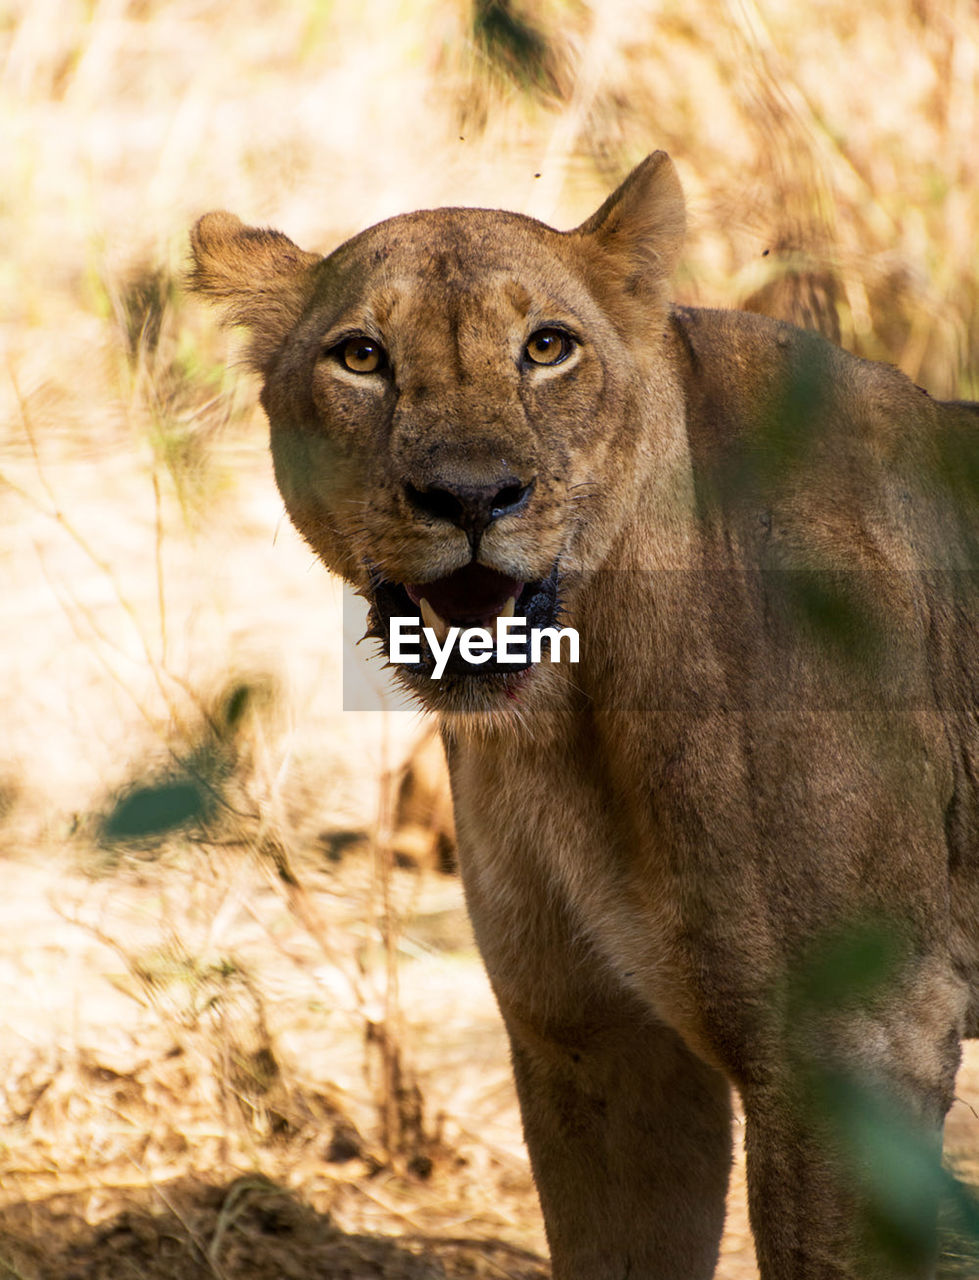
184	1009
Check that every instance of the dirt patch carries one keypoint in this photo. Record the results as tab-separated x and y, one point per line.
249	1229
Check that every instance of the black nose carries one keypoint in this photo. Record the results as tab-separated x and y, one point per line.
472	508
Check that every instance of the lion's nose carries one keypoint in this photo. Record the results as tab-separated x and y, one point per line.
472	508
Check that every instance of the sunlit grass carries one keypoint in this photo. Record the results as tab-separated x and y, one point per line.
829	157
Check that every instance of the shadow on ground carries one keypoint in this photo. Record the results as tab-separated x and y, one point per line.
249	1229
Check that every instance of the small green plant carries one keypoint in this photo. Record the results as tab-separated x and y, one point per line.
190	794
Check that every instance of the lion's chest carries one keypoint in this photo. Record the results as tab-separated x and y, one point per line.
566	887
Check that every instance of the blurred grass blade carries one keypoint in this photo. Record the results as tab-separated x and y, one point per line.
515	48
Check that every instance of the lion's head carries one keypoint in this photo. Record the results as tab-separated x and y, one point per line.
457	400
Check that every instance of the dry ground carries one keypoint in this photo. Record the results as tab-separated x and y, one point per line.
190	1089
212	1065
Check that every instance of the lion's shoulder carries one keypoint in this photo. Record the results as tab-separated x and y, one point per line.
744	365
840	451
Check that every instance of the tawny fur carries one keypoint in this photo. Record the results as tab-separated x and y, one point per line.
656	842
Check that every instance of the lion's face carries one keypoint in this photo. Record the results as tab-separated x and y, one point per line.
453	411
438	425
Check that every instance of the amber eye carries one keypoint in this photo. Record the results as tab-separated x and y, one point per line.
548	346
361	354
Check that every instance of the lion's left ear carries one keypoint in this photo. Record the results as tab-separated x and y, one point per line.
260	278
639	229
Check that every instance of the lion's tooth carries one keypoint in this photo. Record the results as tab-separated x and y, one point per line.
508	609
431	619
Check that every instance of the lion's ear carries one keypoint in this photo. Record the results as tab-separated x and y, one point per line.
259	277
639	229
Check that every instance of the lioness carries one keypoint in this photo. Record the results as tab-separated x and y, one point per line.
770	737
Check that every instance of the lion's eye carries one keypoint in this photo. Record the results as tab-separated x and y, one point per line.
361	355
548	346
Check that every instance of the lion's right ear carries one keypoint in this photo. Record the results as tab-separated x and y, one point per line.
259	277
637	233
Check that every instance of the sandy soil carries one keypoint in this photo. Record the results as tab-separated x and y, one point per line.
133	1148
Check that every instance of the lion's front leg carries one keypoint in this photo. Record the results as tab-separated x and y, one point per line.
811	1216
630	1139
843	1136
629	1132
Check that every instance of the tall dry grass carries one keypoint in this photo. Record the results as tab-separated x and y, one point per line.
829	157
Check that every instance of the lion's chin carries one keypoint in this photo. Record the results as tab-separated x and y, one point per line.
459	697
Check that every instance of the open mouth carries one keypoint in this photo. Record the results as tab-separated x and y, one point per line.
473	596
